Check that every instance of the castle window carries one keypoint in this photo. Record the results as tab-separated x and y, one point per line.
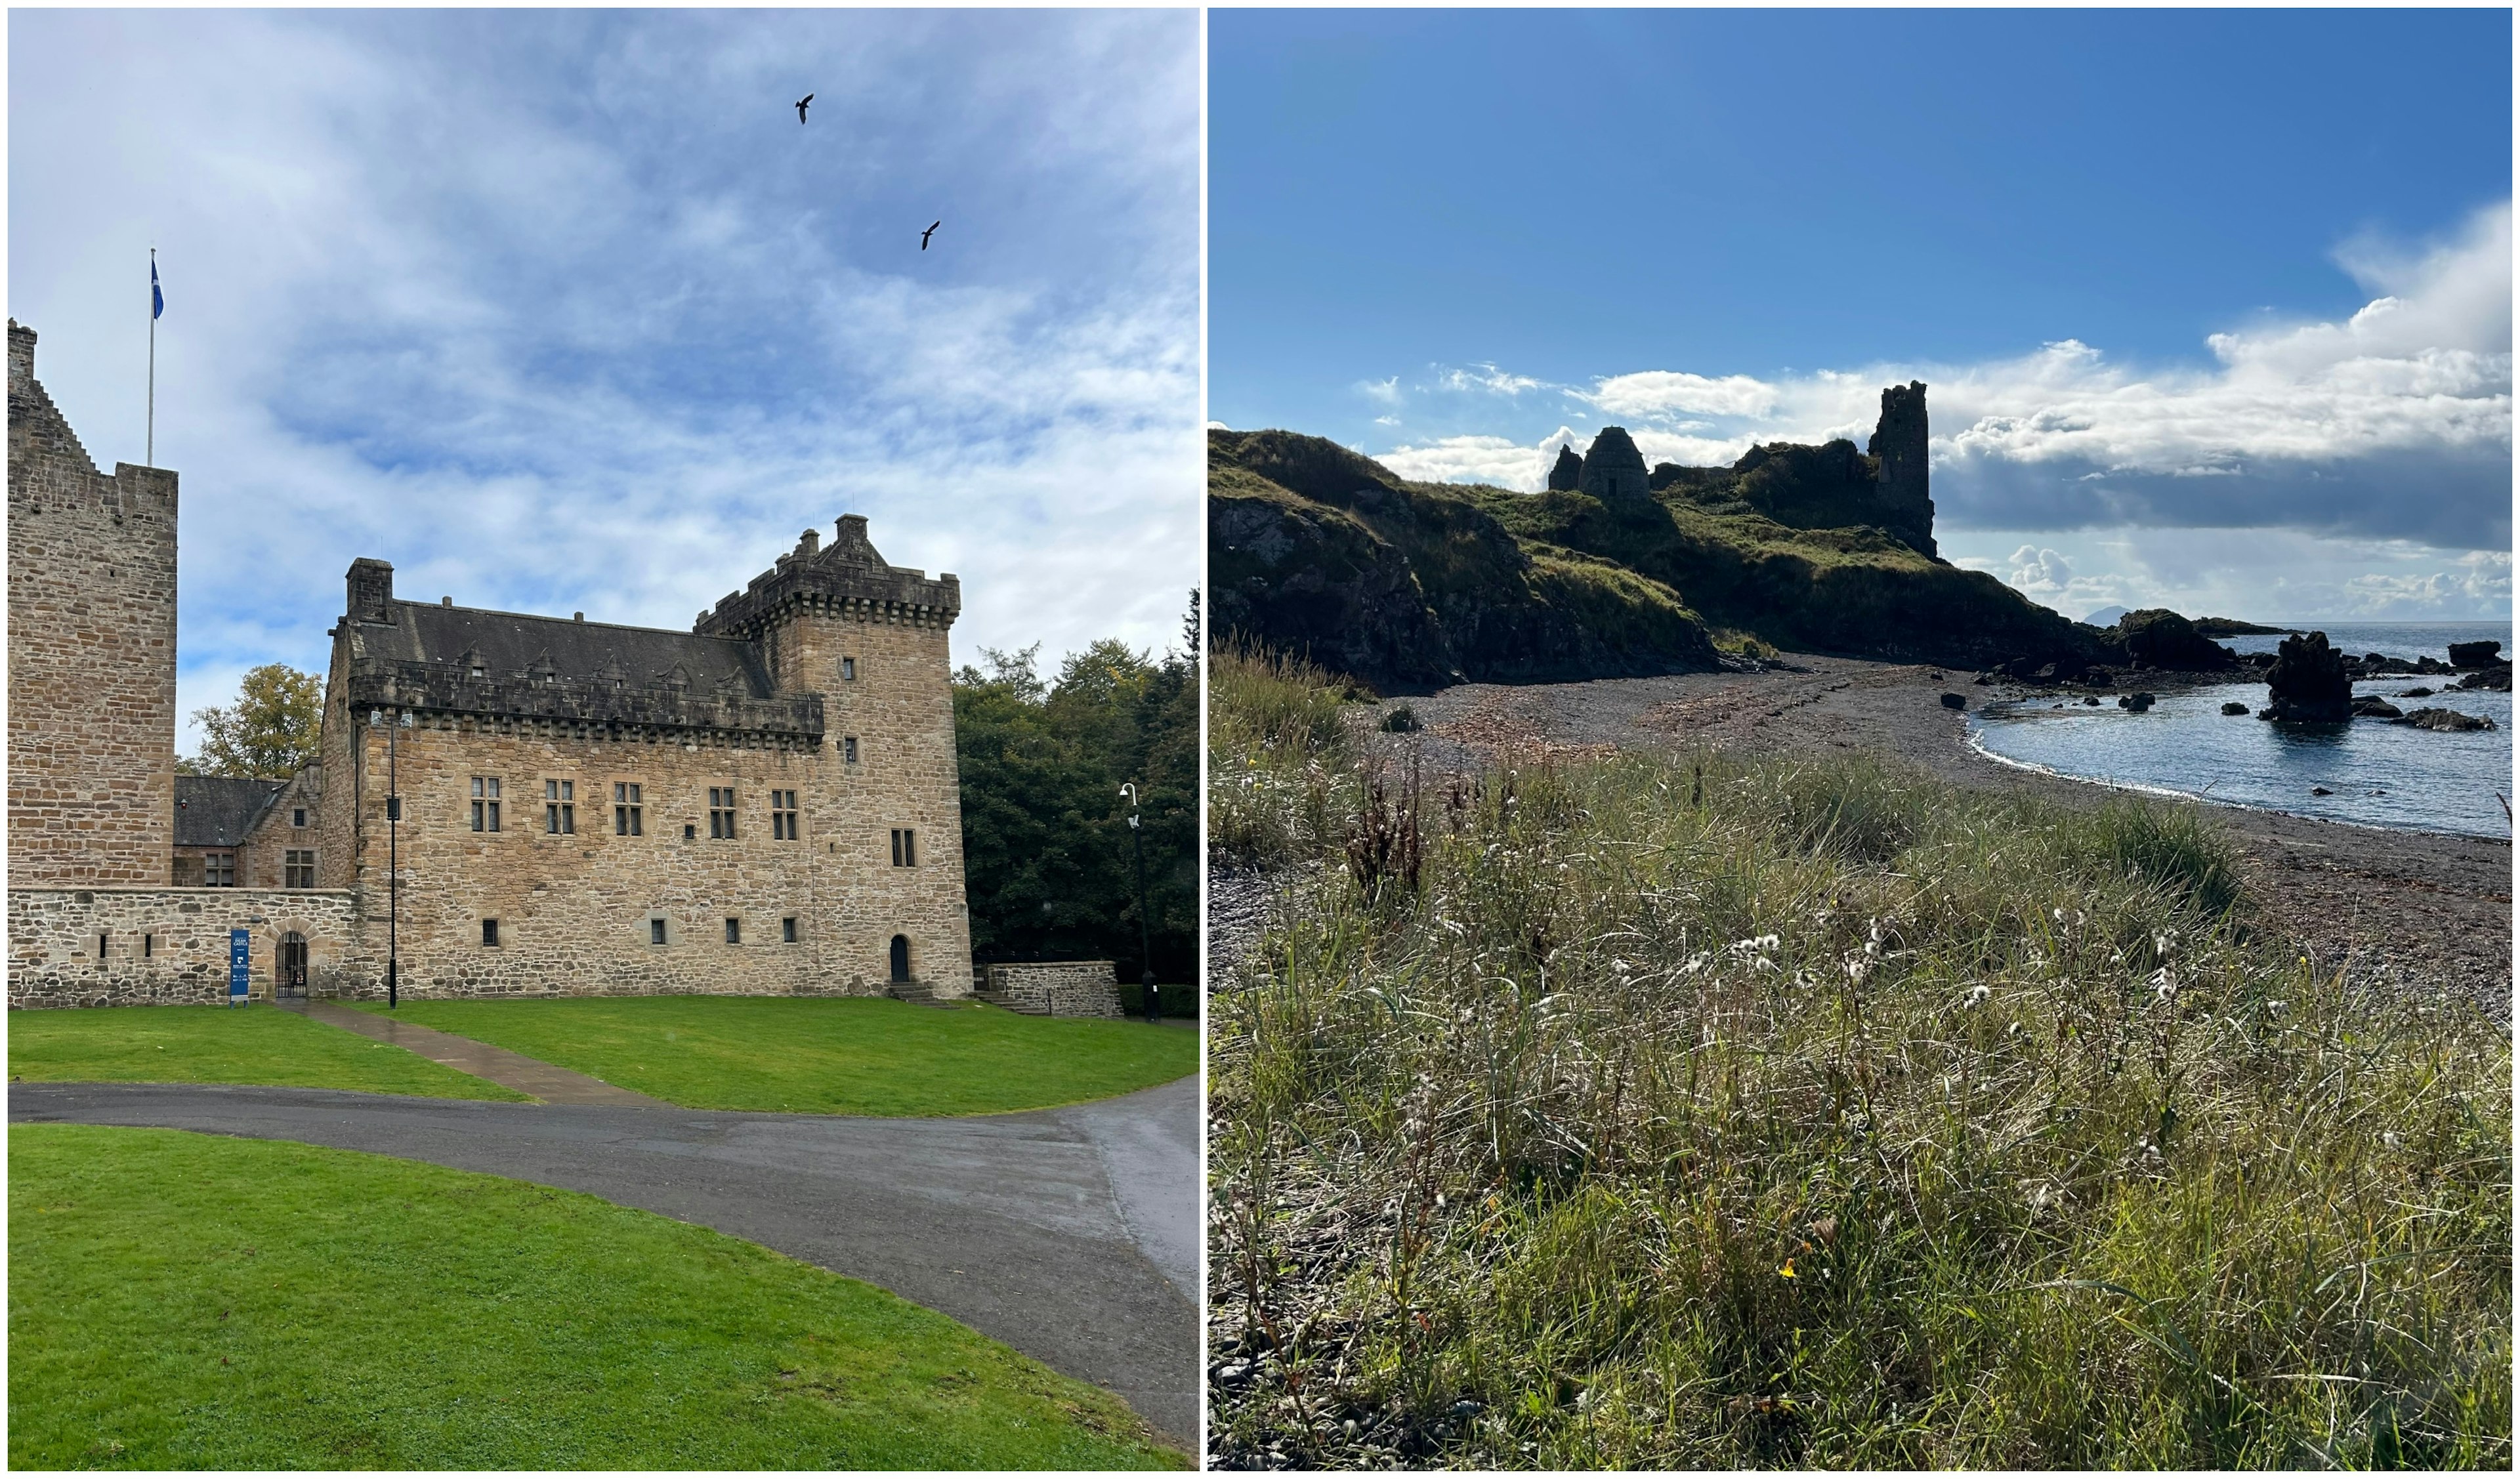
656	929
721	811
297	817
298	867
848	670
148	946
849	748
788	930
218	870
100	944
735	931
905	847
485	803
625	809
490	932
782	816
560	807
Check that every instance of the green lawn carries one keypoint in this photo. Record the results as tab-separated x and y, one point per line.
187	1300
221	1045
827	1055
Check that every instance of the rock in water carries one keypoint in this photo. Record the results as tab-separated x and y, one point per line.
2164	639
1614	469
2308	683
1955	701
2497	679
2134	703
2447	721
2235	708
1568	474
2372	706
2475	654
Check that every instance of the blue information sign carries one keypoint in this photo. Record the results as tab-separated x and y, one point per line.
239	964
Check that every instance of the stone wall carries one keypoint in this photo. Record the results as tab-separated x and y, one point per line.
91	652
169	946
1058	988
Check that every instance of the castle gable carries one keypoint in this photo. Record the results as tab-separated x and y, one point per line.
849	579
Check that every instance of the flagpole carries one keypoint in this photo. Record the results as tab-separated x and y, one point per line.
152	454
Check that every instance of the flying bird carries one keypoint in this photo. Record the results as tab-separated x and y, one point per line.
925	235
801	106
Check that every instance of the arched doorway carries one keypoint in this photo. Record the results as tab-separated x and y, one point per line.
289	966
901	957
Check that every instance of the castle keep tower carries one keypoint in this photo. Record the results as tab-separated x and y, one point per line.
91	654
1899	442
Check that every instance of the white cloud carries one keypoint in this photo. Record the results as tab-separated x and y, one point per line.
2257	574
1485	380
1663	392
1385	391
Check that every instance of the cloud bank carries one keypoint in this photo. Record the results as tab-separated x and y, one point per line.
563	311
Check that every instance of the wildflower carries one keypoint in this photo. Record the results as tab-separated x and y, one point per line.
1787	1272
1977	994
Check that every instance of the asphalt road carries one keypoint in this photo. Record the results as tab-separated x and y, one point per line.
1071	1234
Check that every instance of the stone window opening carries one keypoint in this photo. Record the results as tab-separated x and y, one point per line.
850	749
625	807
734	931
788	930
100	949
691	831
490	933
905	847
560	808
655	930
218	870
721	817
298	867
485	803
782	816
848	670
148	946
297	817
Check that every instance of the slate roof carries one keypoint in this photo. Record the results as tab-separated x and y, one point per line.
507	645
218	811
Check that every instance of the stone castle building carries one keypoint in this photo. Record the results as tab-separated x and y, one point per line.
767	804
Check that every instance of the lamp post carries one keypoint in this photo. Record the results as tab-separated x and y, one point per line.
1146	939
393	856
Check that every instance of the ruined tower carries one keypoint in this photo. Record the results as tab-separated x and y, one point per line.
1903	482
91	652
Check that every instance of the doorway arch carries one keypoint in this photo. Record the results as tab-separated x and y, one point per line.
289	966
901	957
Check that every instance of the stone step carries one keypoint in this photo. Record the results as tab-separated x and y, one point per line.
919	996
1000	999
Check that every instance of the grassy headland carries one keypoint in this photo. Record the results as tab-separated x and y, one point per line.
824	1055
1712	1112
189	1301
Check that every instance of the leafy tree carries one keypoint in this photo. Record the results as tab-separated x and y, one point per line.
1047	856
271	730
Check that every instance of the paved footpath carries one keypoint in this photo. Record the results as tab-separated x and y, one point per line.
1071	1234
548	1082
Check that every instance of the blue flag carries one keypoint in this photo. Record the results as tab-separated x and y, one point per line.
157	298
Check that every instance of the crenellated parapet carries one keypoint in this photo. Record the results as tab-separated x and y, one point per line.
848	581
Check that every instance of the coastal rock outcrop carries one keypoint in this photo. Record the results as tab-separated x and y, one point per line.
1568	473
1614	470
2446	720
2372	706
2495	679
2308	683
2235	708
2475	654
2163	638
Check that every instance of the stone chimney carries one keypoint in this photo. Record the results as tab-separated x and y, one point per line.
807	543
371	591
22	355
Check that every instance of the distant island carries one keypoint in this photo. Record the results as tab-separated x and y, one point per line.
2232	626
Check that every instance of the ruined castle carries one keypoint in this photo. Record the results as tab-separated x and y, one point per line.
765	804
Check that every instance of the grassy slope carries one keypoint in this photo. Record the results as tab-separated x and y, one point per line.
222	1045
1702	1112
184	1301
826	1055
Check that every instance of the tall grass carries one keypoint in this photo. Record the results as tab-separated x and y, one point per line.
1714	1113
1279	755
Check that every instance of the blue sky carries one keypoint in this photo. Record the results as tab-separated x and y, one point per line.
2215	306
565	311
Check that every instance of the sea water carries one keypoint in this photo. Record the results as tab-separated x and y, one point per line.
2377	774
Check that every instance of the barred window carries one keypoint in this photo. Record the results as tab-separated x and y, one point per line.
490	932
721	811
735	931
849	748
788	930
560	807
298	867
905	847
655	931
625	809
782	816
485	803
